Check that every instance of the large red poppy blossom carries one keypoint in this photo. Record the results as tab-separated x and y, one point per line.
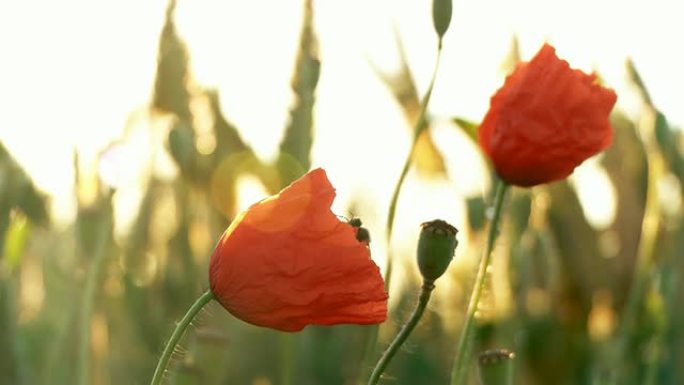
546	120
288	262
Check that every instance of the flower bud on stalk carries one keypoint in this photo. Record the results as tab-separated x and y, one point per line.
441	16
436	247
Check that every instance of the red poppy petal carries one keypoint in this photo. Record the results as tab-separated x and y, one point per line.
288	262
545	120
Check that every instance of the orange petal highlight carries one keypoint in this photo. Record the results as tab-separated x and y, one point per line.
288	262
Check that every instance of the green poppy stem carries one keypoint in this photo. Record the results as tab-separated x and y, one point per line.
460	368
204	299
419	127
405	331
286	342
371	335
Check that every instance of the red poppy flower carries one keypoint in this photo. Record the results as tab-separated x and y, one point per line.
545	120
288	262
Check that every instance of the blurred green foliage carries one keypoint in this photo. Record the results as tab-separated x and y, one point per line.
568	282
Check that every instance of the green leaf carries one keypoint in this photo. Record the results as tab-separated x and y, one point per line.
468	127
15	241
428	160
635	78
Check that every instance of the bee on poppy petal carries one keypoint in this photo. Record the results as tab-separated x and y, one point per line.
362	233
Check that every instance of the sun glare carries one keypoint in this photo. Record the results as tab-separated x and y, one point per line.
75	87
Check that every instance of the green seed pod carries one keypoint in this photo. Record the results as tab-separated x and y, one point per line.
496	367
436	247
441	16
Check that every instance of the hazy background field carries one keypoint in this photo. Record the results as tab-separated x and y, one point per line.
132	133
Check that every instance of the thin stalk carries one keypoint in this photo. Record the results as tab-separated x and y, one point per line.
177	334
287	357
89	292
460	368
418	129
371	337
370	341
403	334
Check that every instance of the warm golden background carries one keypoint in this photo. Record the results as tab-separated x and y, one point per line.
132	132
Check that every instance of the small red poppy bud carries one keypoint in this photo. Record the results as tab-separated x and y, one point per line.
436	246
545	120
288	262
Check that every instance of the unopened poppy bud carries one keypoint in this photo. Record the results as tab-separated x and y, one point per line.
441	16
436	247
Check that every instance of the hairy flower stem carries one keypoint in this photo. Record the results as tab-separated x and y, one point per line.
418	129
460	368
403	334
177	334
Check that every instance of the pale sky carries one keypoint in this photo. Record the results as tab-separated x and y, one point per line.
72	72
